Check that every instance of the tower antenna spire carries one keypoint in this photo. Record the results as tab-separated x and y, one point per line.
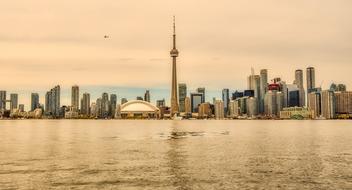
174	35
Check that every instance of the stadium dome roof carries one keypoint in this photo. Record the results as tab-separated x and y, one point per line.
138	106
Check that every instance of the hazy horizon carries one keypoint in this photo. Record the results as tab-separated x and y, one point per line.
45	43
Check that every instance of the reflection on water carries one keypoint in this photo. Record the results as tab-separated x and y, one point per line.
83	154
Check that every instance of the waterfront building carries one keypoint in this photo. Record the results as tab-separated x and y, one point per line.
310	79
147	96
254	84
296	113
204	110
219	109
293	95
226	100
263	88
299	82
343	101
196	100
93	110
237	94
202	91
242	105
13	101
274	101
105	105
234	108
174	55
113	103
139	109
182	93
314	103
285	91
75	98
118	112
252	107
328	104
85	104
2	100
99	108
34	101
188	107
52	102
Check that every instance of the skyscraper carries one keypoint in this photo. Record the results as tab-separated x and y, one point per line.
299	82
219	109
328	104
188	108
105	105
75	98
254	84
226	100
314	103
2	100
263	88
113	104
202	91
147	96
13	101
310	79
174	55
52	102
196	100
182	93
34	101
85	104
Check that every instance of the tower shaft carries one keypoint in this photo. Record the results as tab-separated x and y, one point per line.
174	54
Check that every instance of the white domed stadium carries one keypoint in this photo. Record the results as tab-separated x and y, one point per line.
138	109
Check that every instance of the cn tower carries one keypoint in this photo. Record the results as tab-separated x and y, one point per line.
174	54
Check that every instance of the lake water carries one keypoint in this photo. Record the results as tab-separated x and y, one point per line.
126	154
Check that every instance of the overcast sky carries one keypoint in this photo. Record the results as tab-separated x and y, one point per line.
44	43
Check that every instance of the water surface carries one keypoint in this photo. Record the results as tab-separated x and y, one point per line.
114	154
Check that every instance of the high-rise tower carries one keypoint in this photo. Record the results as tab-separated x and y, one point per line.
174	54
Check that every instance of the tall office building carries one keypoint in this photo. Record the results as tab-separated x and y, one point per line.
2	100
34	101
147	96
113	104
310	79
202	91
99	108
75	98
85	104
196	100
105	105
299	82
328	104
226	100
13	101
293	95
182	93
254	84
252	107
174	55
263	88
274	101
52	102
314	103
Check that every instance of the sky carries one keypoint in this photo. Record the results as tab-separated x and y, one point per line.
44	43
